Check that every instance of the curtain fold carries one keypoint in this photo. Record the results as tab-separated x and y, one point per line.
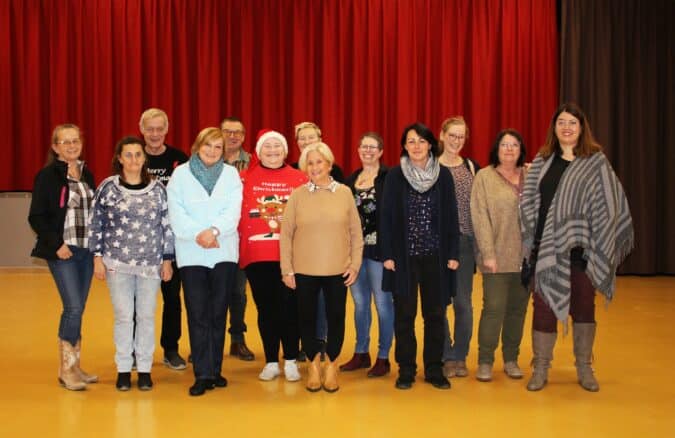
617	63
349	65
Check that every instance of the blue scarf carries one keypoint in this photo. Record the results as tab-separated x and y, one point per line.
207	176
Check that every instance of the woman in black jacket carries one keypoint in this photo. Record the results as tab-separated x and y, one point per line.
420	246
367	185
59	215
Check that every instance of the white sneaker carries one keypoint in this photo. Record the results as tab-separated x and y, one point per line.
291	371
270	372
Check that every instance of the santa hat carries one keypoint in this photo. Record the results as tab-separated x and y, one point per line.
266	134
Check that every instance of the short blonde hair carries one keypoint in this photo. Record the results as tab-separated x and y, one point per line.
205	136
151	113
303	125
321	148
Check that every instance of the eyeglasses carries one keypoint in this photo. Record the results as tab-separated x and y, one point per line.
456	137
566	123
71	142
230	133
509	145
368	147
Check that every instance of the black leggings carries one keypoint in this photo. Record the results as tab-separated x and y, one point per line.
277	310
335	292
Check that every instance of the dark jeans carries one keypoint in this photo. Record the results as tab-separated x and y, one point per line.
425	272
582	303
335	293
171	312
277	310
73	280
237	308
207	292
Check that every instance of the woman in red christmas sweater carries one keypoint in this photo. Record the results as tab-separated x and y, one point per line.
267	186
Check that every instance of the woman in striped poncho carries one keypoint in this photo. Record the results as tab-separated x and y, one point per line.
576	223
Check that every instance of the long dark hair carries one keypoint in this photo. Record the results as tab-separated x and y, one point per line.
586	146
117	166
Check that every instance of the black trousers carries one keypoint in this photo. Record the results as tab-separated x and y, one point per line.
277	310
335	292
171	312
237	308
425	272
207	292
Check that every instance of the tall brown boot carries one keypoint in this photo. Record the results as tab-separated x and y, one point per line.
330	381
68	376
86	377
542	345
314	374
584	336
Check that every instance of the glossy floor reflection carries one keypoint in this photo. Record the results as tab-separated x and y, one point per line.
633	357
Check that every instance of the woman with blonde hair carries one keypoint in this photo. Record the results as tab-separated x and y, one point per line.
321	248
59	215
454	134
204	207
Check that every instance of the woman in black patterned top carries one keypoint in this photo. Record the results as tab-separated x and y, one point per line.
367	184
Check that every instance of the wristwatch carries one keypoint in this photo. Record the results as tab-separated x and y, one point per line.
215	231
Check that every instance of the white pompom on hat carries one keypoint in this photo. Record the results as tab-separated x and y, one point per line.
266	134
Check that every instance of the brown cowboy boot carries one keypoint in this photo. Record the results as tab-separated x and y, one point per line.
330	381
68	376
314	374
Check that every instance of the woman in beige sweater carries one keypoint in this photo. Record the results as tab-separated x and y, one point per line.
494	213
321	246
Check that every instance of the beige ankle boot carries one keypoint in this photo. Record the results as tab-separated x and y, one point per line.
314	374
542	345
86	377
68	376
330	382
583	337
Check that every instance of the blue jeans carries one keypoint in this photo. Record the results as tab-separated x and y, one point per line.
131	294
73	279
369	283
207	292
461	304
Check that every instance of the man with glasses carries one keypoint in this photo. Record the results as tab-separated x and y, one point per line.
235	133
162	159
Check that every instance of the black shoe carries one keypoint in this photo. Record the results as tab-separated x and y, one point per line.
439	382
123	381
173	360
302	356
404	383
201	386
219	382
144	382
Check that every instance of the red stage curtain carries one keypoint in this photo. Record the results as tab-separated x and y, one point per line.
349	65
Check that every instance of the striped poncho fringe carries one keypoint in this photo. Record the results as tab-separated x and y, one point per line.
589	210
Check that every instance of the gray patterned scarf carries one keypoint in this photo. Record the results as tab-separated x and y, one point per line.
421	179
589	210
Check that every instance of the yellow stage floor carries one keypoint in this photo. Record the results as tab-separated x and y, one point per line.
634	359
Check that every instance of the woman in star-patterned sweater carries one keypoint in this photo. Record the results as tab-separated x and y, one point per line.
133	247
